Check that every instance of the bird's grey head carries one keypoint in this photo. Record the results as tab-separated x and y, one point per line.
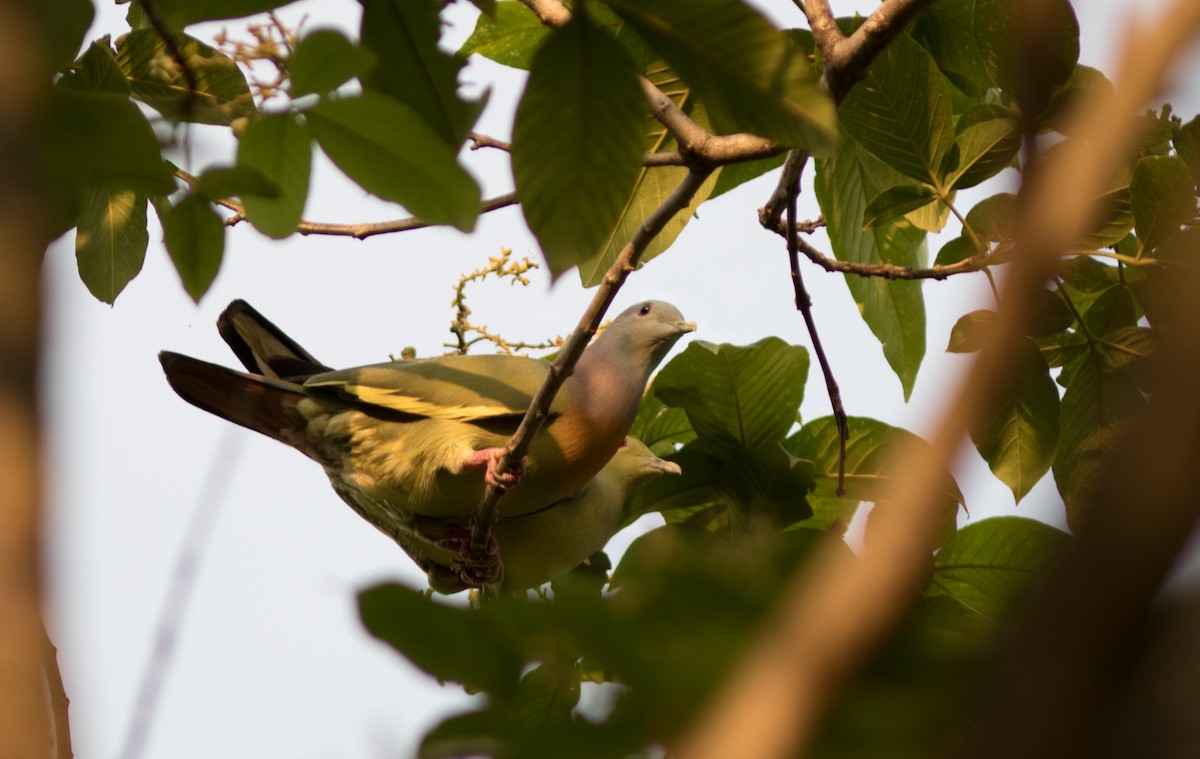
646	331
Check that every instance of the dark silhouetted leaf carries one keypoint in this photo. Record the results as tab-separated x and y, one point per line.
324	60
385	147
403	35
577	142
280	148
195	238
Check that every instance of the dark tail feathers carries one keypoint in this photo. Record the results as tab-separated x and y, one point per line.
262	404
262	347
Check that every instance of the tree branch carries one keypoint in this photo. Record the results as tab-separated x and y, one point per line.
838	608
804	305
360	231
168	37
59	703
848	58
626	261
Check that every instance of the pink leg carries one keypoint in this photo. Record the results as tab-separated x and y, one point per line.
492	456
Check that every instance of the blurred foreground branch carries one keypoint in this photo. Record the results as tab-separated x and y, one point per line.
839	608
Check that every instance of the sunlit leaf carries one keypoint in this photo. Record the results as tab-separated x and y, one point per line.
737	397
893	309
901	111
110	244
1018	436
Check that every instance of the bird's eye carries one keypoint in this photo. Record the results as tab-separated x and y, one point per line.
645	309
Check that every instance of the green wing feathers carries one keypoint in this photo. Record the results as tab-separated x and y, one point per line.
467	388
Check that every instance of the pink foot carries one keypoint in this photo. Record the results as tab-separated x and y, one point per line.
491	457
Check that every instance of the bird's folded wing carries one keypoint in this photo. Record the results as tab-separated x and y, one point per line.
459	388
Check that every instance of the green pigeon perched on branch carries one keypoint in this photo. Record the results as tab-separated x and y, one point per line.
408	437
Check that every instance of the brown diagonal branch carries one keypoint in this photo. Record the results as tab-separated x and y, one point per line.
848	58
564	363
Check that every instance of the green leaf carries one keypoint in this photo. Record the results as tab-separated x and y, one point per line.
895	202
577	142
987	563
766	481
1112	310
945	30
96	71
101	138
221	93
1187	144
1128	348
696	486
325	60
384	146
403	35
510	39
279	147
195	238
969	333
1017	438
1163	198
449	643
955	250
992	218
1096	406
180	13
901	111
652	187
661	428
737	397
110	244
984	150
227	181
64	24
893	309
1030	71
750	76
870	453
1085	82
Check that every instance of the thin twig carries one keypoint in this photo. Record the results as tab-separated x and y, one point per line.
207	507
59	703
668	158
172	44
359	231
626	261
804	305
